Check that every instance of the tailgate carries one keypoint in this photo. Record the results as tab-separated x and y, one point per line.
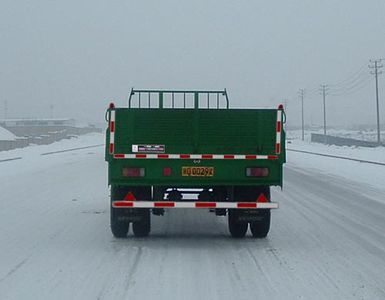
226	141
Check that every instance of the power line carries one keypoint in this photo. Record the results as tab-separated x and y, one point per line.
347	86
351	89
310	93
352	78
352	84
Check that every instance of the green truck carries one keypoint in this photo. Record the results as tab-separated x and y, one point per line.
187	149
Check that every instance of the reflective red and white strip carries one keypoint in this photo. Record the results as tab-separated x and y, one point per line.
194	156
112	131
172	204
279	131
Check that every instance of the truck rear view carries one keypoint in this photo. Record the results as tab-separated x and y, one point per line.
188	149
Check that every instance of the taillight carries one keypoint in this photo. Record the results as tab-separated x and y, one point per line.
167	171
257	172
133	172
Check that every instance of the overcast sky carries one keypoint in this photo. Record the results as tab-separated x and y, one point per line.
80	55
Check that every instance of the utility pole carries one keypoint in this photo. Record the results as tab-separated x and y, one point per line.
376	64
323	90
302	95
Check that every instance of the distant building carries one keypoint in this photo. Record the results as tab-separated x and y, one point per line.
38	131
10	141
6	135
37	122
37	127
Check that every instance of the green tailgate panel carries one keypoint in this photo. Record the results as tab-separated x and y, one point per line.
197	131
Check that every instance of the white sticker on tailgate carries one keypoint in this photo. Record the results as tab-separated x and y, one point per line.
148	148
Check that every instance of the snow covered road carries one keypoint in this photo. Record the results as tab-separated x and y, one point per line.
327	240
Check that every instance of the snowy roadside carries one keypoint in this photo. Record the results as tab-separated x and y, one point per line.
80	141
362	173
31	158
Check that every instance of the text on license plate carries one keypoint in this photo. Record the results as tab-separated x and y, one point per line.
198	171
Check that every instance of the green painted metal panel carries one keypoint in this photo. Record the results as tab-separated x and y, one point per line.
226	173
197	131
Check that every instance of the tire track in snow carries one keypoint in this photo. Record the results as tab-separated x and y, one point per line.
343	218
14	269
71	149
347	229
264	274
134	267
10	159
53	152
323	269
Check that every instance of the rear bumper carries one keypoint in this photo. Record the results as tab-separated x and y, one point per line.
194	204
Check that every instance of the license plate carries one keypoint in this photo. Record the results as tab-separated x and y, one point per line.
198	171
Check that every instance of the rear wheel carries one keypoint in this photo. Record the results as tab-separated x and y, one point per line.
121	217
259	220
237	228
119	227
119	224
143	227
260	229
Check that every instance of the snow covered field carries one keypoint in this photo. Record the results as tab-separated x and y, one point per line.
372	176
364	135
327	240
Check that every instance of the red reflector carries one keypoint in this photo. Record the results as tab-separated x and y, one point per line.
277	148
133	172
251	157
257	172
112	126
205	205
280	106
112	105
123	204
164	204
167	171
279	126
246	205
262	199
130	197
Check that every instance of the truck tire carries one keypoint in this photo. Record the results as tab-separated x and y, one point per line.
260	229
142	228
121	218
119	228
237	228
